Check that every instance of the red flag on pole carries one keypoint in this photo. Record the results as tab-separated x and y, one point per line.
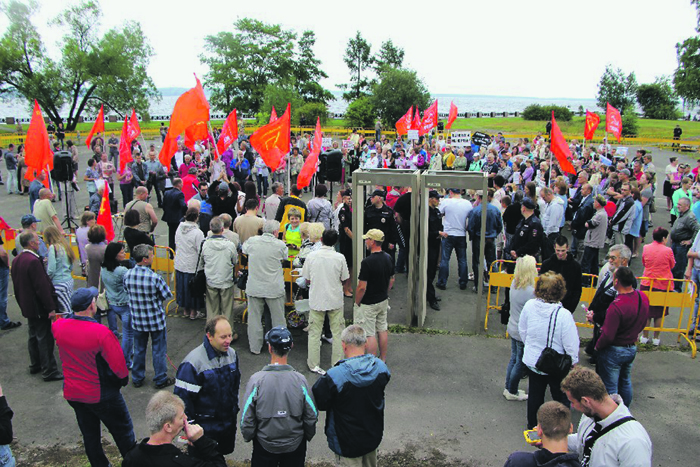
134	128
272	140
124	146
9	231
403	124
38	154
453	115
309	168
229	132
98	126
560	149
196	132
190	108
104	216
415	123
430	117
592	122
613	122
273	115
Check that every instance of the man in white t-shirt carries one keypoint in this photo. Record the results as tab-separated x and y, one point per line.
455	210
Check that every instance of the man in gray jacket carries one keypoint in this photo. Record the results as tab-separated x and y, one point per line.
596	227
279	414
219	257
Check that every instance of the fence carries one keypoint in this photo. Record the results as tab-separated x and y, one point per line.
684	301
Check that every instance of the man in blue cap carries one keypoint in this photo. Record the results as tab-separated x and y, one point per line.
95	371
279	414
29	223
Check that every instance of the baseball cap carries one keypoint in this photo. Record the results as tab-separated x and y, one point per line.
528	203
347	192
29	219
280	338
379	193
455	190
434	194
374	234
82	298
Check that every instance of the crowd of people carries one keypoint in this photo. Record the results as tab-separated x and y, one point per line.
219	215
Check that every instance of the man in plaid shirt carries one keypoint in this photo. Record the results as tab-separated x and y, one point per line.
147	291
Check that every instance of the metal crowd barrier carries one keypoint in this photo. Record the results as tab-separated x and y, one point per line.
684	301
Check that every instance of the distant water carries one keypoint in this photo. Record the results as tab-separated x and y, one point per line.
465	103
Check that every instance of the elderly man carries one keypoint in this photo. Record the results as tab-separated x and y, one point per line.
165	419
227	232
37	299
551	220
147	215
156	176
45	212
265	281
34	188
95	371
208	380
272	202
29	223
279	415
352	394
621	222
326	273
147	291
174	208
596	227
219	258
682	235
96	199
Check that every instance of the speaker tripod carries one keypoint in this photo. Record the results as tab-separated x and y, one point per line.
68	223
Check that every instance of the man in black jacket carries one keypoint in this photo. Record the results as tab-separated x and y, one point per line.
174	208
529	233
5	431
562	262
583	212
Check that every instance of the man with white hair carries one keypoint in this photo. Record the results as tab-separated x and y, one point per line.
265	281
219	257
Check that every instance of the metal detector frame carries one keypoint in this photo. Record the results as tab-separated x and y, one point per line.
442	180
369	178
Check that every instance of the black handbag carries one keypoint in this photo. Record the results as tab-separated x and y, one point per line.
552	362
198	283
242	282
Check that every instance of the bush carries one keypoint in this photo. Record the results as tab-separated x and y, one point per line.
308	112
360	113
544	113
629	123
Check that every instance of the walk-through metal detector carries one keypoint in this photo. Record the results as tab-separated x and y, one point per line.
441	181
364	181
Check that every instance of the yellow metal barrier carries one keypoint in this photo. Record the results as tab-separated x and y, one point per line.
164	263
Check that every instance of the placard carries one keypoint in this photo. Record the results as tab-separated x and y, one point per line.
413	135
481	139
347	144
327	142
461	139
621	151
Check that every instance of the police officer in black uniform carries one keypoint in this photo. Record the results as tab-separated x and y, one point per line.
380	216
528	234
434	241
345	226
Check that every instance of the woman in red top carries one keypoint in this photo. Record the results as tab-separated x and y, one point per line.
658	261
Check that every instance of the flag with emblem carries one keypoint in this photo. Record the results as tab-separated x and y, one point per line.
104	216
37	149
98	126
272	140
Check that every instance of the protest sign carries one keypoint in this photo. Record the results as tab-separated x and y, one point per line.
461	139
347	144
481	139
327	142
413	134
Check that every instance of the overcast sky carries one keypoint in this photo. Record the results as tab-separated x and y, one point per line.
536	48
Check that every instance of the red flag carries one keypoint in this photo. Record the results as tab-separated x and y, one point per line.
453	115
404	123
415	123
134	128
190	108
272	140
592	121
124	146
98	126
38	154
430	118
613	121
104	216
229	132
560	149
309	168
196	132
9	231
273	115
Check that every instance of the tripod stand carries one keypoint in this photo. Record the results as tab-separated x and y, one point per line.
68	223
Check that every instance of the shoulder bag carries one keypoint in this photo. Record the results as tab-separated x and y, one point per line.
552	362
198	283
101	301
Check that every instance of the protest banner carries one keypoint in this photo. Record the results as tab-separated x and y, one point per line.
461	139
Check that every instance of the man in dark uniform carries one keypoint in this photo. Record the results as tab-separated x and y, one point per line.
529	233
345	234
380	216
434	242
677	132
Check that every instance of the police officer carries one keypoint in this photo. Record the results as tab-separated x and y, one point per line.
380	216
434	241
345	234
529	233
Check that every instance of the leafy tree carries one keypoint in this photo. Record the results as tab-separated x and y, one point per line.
389	56
360	113
543	113
658	99
617	89
307	72
629	122
358	58
686	78
308	112
92	70
279	95
396	92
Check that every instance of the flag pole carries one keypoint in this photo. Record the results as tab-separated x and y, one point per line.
211	133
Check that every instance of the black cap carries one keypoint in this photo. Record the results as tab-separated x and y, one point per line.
434	194
455	190
381	193
347	192
279	338
527	202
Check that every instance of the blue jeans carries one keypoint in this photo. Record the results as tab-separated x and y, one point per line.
124	312
615	369
159	347
111	411
516	368
459	244
4	279
6	457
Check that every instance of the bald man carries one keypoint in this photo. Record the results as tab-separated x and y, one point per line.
147	215
45	212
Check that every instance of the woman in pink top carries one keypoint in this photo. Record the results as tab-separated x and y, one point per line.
658	261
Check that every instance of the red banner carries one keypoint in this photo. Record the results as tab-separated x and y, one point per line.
309	168
134	128
592	122
430	118
9	231
613	122
560	149
273	115
272	140
196	132
453	115
98	126
229	132
415	123
403	124
124	146
38	154
104	216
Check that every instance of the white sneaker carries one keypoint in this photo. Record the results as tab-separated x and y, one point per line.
656	342
643	340
521	396
318	370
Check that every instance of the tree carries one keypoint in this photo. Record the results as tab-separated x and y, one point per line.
686	78
396	92
358	58
110	70
389	56
658	99
617	89
307	72
279	95
360	113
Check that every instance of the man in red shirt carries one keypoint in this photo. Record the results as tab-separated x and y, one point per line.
95	371
617	344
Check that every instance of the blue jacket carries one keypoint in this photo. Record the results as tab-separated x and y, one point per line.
352	392
207	381
494	221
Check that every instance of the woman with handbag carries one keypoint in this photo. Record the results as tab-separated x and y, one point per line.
60	266
114	267
188	239
551	343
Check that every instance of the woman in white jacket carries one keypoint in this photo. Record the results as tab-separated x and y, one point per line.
541	317
188	239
